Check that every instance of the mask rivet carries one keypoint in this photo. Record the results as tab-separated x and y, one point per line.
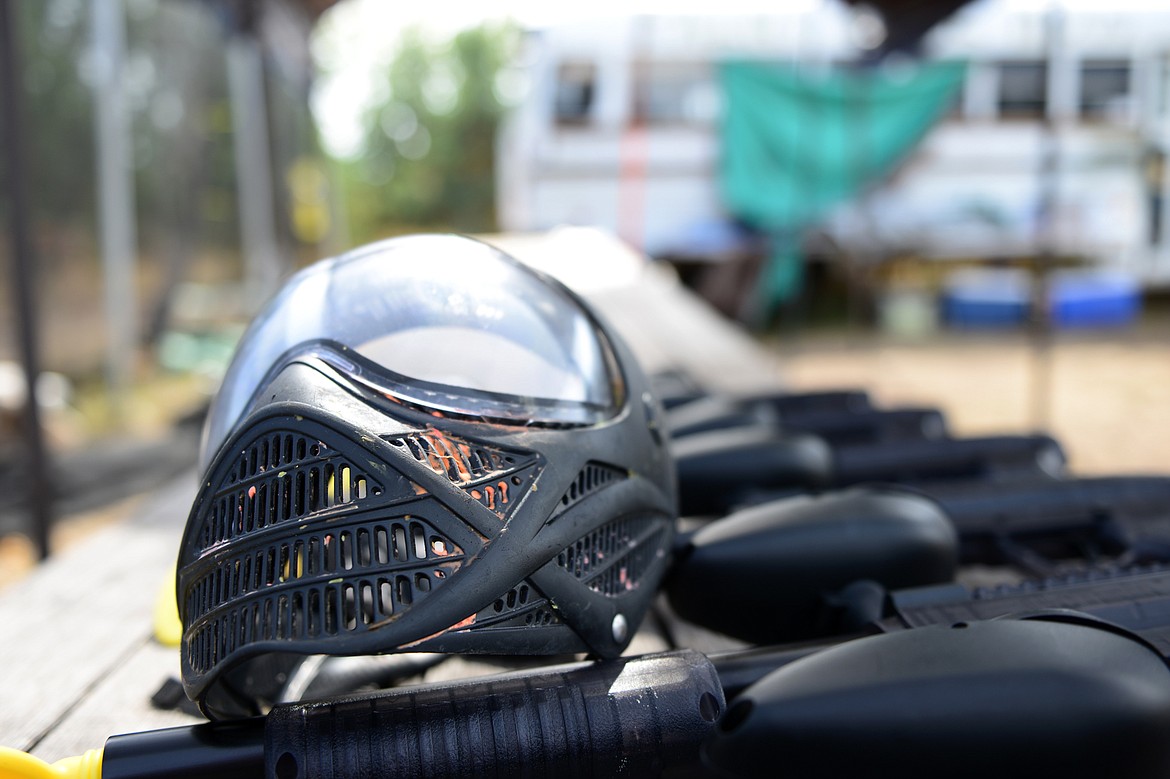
620	628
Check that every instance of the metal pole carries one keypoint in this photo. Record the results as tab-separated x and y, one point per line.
256	202
1162	144
24	301
116	218
1049	196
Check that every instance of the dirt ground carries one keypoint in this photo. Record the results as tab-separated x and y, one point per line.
1108	396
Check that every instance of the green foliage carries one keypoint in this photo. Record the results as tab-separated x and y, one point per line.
428	154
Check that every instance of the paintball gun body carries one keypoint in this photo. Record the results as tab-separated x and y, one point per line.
810	566
1008	497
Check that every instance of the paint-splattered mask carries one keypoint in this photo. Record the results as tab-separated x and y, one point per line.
420	445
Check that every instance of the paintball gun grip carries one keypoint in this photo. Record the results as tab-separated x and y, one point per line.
639	717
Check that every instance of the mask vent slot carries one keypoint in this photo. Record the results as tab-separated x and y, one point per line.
613	558
315	585
593	477
523	606
496	478
460	461
501	495
282	477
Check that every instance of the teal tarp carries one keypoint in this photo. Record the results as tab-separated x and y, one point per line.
796	144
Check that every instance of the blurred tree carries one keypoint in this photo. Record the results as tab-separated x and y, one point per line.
428	150
174	54
58	108
174	83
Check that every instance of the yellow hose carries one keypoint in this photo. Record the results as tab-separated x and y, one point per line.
15	764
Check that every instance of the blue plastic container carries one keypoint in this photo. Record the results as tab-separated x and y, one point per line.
986	298
1093	298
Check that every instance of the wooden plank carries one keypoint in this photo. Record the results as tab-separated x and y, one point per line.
84	614
118	702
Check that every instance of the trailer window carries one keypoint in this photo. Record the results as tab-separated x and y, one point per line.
1104	88
575	93
1023	89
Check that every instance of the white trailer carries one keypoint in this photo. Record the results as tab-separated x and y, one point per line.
619	129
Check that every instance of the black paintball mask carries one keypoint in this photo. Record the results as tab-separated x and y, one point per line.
421	445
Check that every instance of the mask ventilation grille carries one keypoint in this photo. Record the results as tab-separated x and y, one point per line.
460	461
592	478
521	607
315	585
495	478
613	558
502	495
281	477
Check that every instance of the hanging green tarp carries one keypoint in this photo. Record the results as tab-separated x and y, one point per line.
797	144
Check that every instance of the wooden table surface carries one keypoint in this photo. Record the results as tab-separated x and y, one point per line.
78	662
